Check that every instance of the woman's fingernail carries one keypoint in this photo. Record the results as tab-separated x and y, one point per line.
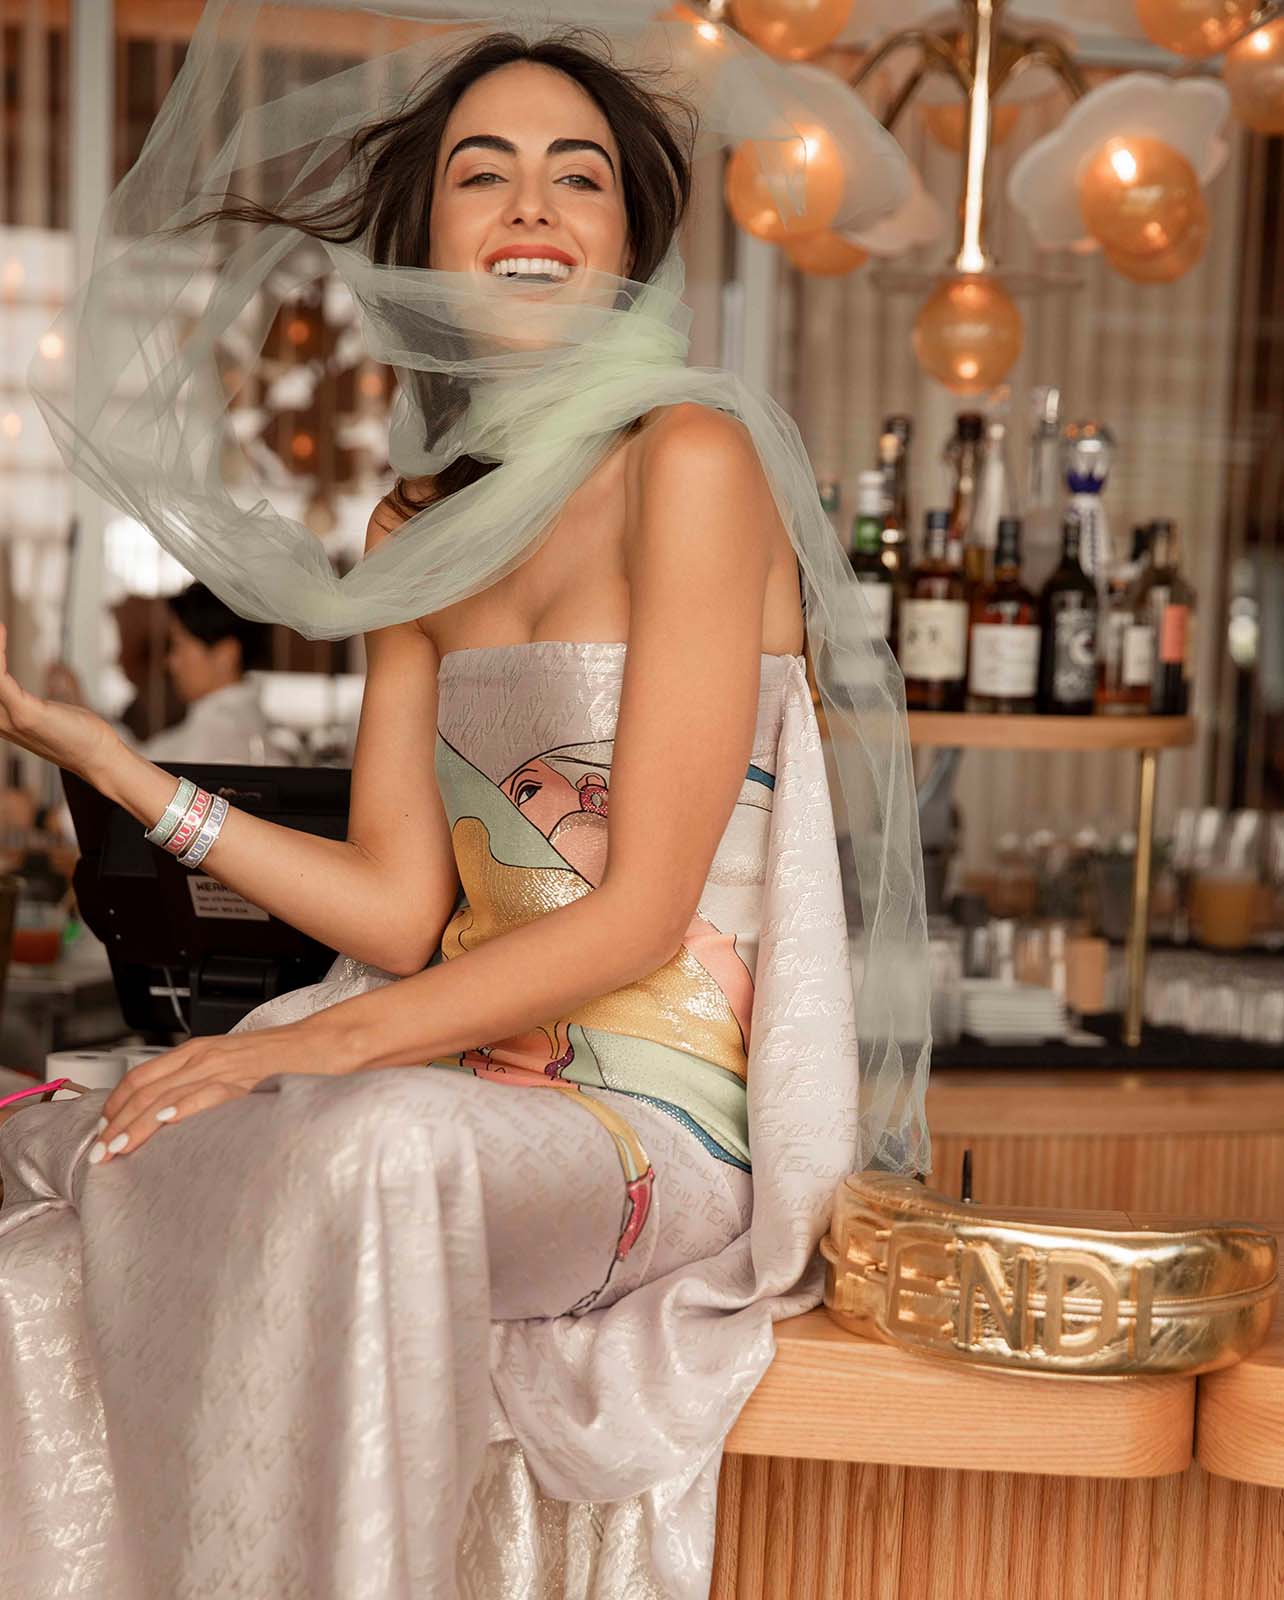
97	1153
167	1114
118	1144
102	1123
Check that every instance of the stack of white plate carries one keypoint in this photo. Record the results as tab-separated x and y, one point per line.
1011	1013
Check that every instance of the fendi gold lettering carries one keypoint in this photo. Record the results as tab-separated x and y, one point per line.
915	1267
1063	1267
980	1267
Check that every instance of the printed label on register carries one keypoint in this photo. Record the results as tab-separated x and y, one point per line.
210	898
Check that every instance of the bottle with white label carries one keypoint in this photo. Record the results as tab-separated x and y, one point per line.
1125	640
876	579
1003	675
932	635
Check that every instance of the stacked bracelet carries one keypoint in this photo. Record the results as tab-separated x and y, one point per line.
163	831
190	824
200	846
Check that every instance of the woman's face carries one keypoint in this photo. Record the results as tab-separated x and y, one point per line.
528	166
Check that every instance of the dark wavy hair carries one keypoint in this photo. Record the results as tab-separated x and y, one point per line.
390	205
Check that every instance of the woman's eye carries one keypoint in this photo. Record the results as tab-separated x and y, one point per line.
527	791
576	178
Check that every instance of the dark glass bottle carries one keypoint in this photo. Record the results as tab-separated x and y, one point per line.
965	453
1164	602
1003	650
933	624
1068	629
867	552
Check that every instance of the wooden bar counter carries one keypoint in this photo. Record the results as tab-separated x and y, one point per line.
860	1472
1202	1143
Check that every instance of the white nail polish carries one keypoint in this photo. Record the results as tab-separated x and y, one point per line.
167	1114
97	1153
102	1123
118	1144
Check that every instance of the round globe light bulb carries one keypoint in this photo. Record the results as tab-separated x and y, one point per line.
968	333
825	254
791	30
1194	27
1138	195
1168	265
761	174
1253	71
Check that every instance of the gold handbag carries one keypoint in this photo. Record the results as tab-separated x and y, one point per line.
1040	1292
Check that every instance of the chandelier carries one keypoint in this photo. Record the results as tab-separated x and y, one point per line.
1124	173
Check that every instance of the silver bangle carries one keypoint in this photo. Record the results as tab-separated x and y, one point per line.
197	813
163	830
200	846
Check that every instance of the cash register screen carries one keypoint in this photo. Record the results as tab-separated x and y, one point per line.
188	954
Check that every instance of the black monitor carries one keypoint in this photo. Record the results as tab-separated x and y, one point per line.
187	952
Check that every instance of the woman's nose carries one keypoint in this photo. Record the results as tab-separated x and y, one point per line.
529	201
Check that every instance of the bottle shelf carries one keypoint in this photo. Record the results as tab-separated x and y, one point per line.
980	731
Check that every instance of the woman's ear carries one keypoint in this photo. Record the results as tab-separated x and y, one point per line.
226	654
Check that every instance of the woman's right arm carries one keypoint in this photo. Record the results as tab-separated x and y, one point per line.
384	894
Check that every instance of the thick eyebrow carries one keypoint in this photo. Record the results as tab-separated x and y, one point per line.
492	141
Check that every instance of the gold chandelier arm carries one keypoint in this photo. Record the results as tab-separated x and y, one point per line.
903	96
1046	51
937	56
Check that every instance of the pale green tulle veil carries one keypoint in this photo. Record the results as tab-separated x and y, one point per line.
542	386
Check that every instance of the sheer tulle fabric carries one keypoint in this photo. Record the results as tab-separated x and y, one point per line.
539	379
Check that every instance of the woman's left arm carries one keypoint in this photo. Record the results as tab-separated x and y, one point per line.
697	569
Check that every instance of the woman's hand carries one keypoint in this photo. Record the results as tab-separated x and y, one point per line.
206	1072
68	735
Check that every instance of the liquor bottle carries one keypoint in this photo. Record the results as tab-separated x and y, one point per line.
1044	488
1087	450
964	453
1163	602
1125	648
893	457
933	624
993	491
1068	626
867	551
1004	644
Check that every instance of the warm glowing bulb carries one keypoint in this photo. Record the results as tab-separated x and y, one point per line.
1253	71
51	346
1138	195
1194	27
968	333
302	445
791	30
825	254
11	424
297	331
761	174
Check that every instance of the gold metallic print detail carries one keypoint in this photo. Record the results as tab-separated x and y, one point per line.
1033	1294
679	1004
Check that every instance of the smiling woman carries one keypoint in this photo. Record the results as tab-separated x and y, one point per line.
496	1219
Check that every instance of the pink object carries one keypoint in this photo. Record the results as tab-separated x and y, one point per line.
39	1088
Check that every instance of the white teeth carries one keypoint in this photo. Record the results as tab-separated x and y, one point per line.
526	266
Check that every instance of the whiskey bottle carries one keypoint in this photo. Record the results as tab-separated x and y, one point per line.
1004	645
933	624
876	579
1068	633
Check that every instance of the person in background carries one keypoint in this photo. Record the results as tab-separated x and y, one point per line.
210	651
